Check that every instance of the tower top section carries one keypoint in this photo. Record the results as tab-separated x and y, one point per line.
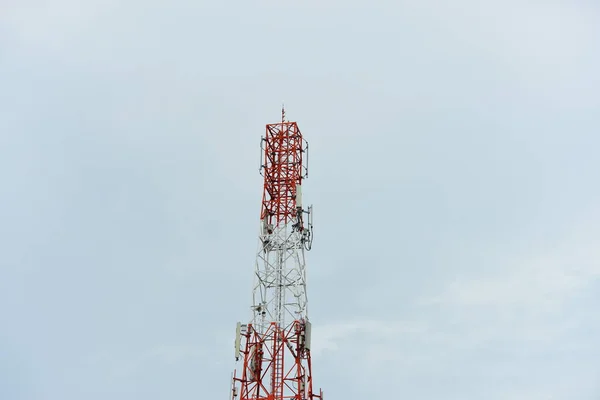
284	164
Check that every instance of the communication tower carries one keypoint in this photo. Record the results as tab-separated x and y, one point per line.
275	345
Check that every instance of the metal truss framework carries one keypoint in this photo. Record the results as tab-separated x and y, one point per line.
275	345
277	364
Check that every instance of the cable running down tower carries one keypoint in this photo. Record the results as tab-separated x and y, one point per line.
275	344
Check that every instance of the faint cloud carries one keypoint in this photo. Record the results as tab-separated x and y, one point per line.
161	354
506	320
172	354
544	280
330	337
49	24
526	301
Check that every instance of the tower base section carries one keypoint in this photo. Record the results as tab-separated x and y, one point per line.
277	364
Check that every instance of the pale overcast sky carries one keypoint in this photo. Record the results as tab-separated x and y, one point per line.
453	170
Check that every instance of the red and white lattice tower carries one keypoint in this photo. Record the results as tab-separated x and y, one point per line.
275	344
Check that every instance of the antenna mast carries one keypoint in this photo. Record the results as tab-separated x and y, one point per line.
275	344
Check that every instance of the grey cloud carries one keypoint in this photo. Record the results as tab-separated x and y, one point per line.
446	143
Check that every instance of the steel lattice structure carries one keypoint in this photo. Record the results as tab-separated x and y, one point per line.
275	344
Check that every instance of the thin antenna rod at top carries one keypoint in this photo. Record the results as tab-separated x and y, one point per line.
282	113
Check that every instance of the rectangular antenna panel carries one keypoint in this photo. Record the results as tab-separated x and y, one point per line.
307	332
299	196
238	331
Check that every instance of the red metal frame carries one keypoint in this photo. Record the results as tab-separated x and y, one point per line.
264	376
283	169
